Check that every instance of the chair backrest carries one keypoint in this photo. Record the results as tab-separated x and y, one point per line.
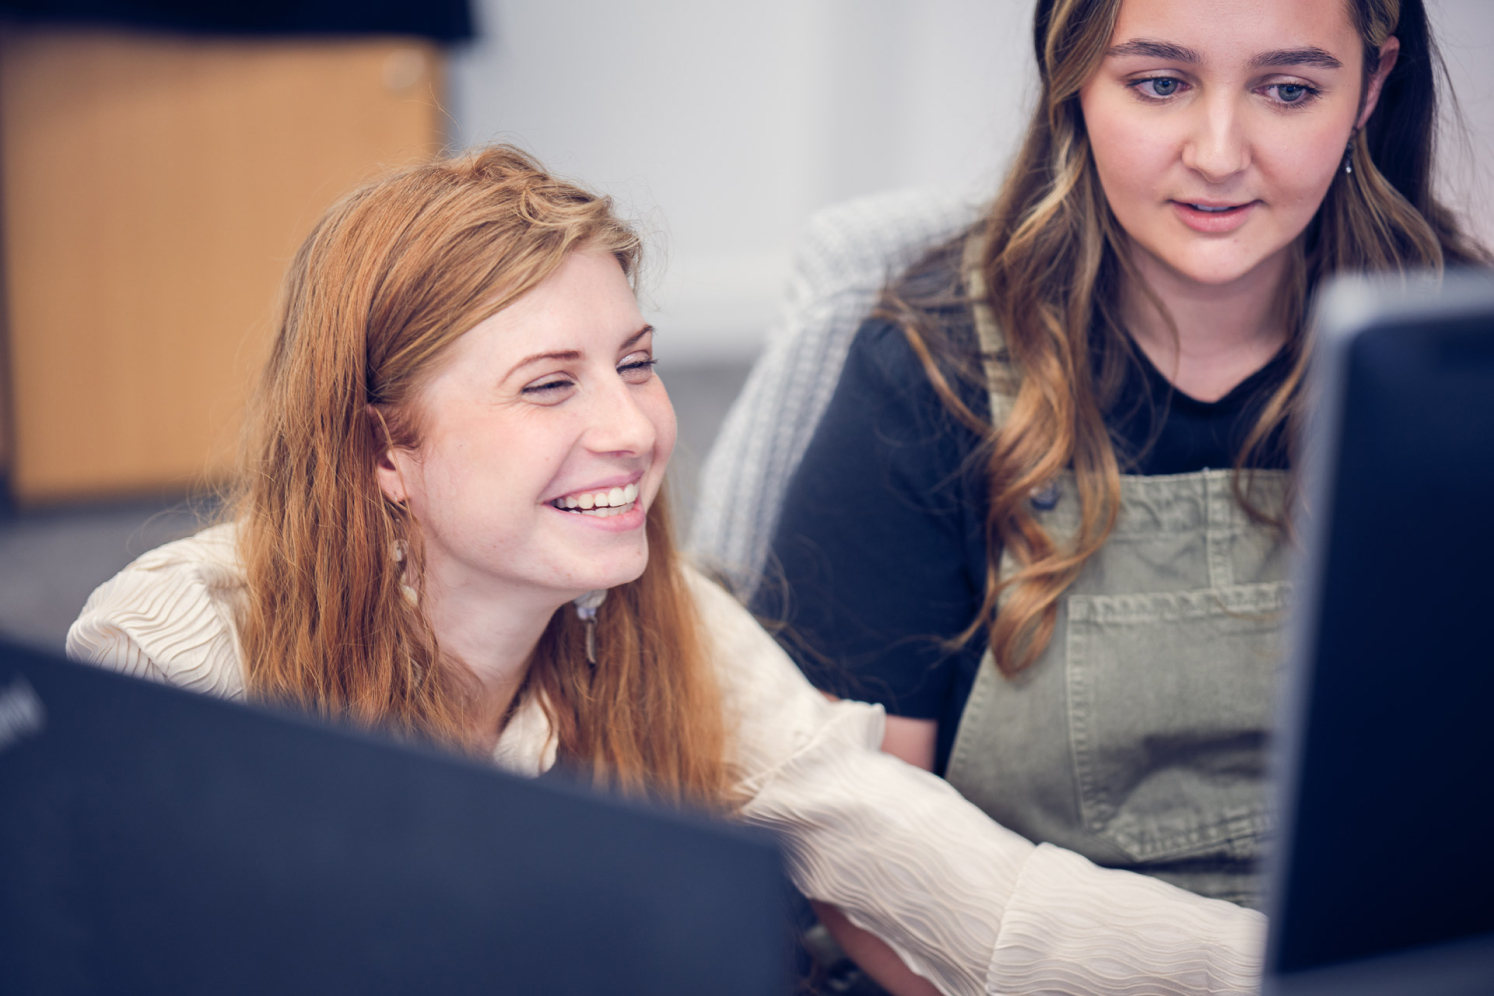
845	257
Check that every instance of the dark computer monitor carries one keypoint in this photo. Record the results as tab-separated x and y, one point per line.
1383	881
157	841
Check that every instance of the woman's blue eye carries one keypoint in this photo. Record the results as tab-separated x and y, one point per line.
1161	86
1291	93
547	386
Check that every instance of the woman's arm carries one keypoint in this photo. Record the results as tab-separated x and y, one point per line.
963	902
911	740
875	958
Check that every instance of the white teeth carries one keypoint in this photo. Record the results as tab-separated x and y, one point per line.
602	511
1212	210
601	503
605	513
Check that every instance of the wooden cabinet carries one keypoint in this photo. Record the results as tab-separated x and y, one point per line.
153	189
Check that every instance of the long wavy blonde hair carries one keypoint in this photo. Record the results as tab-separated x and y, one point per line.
389	278
1053	263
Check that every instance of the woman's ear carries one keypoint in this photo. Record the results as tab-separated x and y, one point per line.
1388	53
388	468
388	473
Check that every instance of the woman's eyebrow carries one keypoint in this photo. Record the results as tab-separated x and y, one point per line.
568	355
1155	50
630	340
1311	56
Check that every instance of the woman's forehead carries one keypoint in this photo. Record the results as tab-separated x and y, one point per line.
1211	31
586	306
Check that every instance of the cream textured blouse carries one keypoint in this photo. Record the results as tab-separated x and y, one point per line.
966	903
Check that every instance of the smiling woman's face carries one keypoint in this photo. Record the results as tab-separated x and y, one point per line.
1217	126
551	402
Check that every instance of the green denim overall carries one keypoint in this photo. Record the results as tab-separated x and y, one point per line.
1138	737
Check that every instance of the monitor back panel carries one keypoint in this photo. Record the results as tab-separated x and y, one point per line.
1387	856
156	841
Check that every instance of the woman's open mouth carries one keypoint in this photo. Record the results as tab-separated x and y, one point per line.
1213	218
601	504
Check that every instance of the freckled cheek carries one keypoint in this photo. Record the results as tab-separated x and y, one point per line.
434	500
661	413
496	475
449	491
668	432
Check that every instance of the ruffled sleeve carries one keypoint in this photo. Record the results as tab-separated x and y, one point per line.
969	905
169	616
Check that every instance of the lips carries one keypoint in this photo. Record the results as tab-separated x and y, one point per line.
599	499
1213	217
613	506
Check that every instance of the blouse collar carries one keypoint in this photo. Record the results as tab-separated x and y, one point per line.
526	746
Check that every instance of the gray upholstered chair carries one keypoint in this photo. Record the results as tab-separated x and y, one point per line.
845	256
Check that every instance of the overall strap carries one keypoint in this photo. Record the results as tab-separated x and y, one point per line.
1001	380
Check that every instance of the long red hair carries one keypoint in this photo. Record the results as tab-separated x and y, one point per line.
392	274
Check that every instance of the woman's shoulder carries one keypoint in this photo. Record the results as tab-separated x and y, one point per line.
725	619
747	662
774	709
170	616
926	304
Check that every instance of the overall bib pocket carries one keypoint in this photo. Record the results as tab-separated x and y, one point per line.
1169	697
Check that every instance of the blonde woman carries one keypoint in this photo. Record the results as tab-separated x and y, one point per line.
450	524
1041	519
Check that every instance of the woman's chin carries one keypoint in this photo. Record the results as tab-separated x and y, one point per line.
1210	275
610	574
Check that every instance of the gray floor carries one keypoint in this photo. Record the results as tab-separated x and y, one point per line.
52	559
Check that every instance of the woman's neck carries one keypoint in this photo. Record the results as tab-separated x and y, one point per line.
493	633
1224	332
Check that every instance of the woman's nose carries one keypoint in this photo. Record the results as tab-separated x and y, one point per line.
619	423
1216	147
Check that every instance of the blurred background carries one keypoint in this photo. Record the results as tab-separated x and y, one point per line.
161	159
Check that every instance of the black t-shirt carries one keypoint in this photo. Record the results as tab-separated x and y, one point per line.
879	557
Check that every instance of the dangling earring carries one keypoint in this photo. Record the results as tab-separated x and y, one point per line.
586	611
1349	158
398	551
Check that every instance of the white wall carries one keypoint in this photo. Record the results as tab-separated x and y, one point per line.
723	126
1464	30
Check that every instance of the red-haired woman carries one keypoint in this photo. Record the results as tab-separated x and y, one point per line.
451	524
1041	519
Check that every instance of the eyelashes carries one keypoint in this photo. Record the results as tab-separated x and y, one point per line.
634	372
1300	94
1158	89
641	370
